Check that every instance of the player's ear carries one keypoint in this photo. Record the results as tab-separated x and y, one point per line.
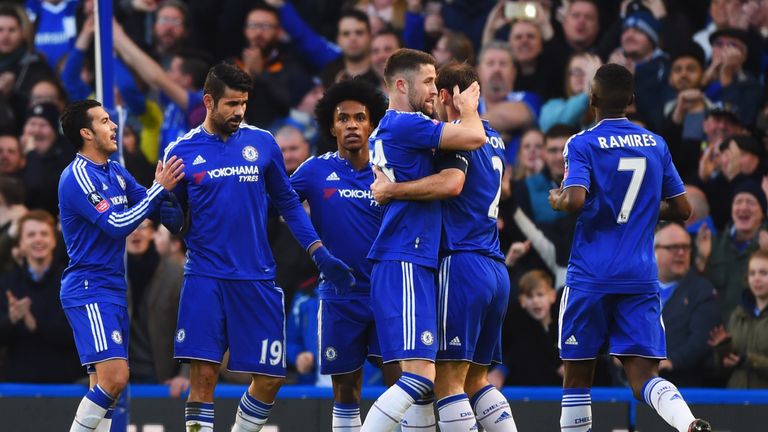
86	134
444	96
401	84
208	102
631	99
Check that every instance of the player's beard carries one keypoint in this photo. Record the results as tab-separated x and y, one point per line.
226	126
420	105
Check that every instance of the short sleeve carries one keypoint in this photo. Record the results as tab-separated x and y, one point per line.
416	131
577	165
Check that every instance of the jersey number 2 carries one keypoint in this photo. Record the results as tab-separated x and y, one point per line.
637	166
498	165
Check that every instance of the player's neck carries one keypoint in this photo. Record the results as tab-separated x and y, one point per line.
607	115
94	155
358	159
211	129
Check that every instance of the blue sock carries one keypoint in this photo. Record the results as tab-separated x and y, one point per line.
251	414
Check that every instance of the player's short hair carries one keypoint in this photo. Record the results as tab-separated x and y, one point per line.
616	85
76	117
532	280
406	61
357	15
455	74
354	89
39	216
12	190
223	76
265	8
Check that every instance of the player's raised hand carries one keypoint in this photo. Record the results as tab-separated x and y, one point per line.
466	101
170	174
381	187
333	270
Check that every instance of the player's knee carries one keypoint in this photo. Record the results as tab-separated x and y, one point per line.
346	391
115	381
268	384
204	375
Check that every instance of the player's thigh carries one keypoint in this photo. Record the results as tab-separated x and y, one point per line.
583	323
201	325
344	329
404	304
466	289
255	327
101	332
637	328
488	347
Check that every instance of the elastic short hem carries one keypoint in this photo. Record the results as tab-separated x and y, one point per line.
94	358
654	355
397	359
577	358
254	372
186	357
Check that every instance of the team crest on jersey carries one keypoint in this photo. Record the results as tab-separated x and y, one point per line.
117	337
98	201
121	180
250	154
427	338
331	354
180	335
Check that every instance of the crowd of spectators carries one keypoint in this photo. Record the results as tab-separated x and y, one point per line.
700	77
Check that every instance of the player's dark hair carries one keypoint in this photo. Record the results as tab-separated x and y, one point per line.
76	117
223	76
355	14
455	74
261	6
615	88
12	190
405	60
39	216
355	90
532	280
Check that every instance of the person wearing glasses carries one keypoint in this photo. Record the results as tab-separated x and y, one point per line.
689	308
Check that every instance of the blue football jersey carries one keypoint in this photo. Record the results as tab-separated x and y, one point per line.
404	145
225	189
627	171
56	28
99	204
343	212
469	220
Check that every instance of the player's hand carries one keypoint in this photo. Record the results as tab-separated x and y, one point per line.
171	214
717	336
466	101
178	385
333	270
305	362
381	188
170	174
554	194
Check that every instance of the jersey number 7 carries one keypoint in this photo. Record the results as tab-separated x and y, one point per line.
637	166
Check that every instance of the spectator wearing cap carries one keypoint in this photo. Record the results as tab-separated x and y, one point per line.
726	78
640	53
723	258
47	154
684	114
739	158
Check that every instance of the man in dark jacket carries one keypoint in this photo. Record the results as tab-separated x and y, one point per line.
690	308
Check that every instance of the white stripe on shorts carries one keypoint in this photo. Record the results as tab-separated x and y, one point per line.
563	305
97	327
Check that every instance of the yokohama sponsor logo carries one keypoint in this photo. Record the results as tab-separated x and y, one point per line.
234	171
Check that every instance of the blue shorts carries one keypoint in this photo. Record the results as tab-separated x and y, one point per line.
101	332
347	335
403	299
472	300
630	323
246	317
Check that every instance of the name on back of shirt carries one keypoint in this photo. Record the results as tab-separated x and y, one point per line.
631	140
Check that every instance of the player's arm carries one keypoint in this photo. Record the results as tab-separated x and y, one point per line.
569	199
148	69
677	208
469	133
448	182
